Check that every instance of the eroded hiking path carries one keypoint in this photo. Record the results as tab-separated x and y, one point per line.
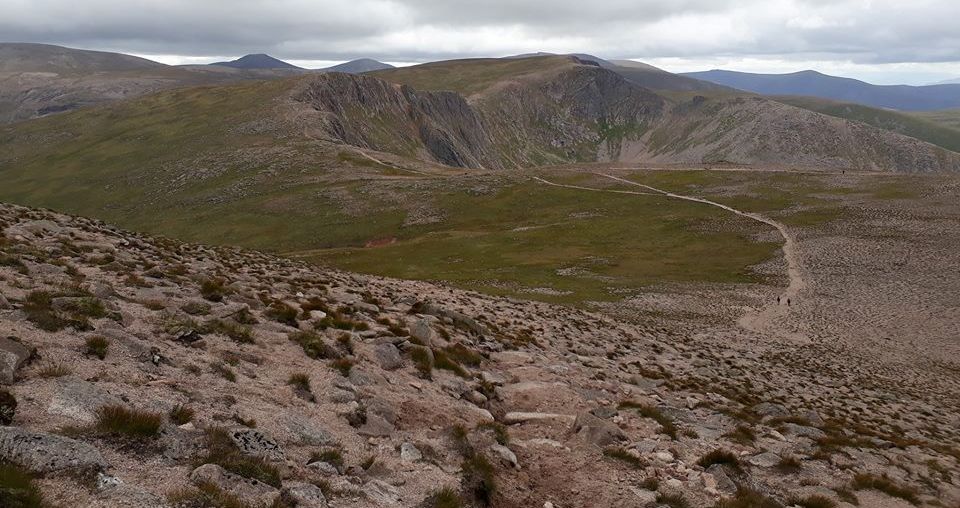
756	320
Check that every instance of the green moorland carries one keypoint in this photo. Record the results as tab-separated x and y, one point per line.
205	165
470	76
947	118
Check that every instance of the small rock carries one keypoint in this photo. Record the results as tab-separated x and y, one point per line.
376	426
644	496
303	495
522	417
663	456
13	355
305	432
409	453
804	431
492	378
388	356
381	493
765	459
255	443
599	432
324	468
506	455
770	410
105	481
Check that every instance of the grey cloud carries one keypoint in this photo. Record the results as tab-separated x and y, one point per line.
869	32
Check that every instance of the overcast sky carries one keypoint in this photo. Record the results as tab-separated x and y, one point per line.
883	41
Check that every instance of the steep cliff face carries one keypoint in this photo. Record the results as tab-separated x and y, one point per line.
582	113
372	113
578	114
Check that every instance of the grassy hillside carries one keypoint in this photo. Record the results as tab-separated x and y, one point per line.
471	76
948	118
939	128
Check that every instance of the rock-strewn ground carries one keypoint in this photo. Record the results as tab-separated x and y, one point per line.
234	373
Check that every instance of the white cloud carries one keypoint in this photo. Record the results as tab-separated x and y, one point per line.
883	38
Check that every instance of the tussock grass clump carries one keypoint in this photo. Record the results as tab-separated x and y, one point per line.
314	345
650	483
742	434
748	498
332	456
213	290
97	346
479	479
422	361
52	370
221	451
342	365
236	332
224	371
17	489
721	457
282	313
625	456
196	308
463	355
500	432
341	322
38	307
885	484
205	495
647	411
445	497
300	381
789	465
847	496
673	500
444	362
8	407
133	423
181	414
812	502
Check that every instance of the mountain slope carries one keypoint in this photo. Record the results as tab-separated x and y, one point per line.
39	80
494	113
28	57
651	77
948	118
920	125
257	61
901	97
359	66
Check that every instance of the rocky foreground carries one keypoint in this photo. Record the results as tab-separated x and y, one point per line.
144	372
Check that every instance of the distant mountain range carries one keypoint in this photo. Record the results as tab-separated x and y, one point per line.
640	73
359	66
955	81
257	61
815	84
29	57
263	62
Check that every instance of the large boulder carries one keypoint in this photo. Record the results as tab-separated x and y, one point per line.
13	355
79	400
43	453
